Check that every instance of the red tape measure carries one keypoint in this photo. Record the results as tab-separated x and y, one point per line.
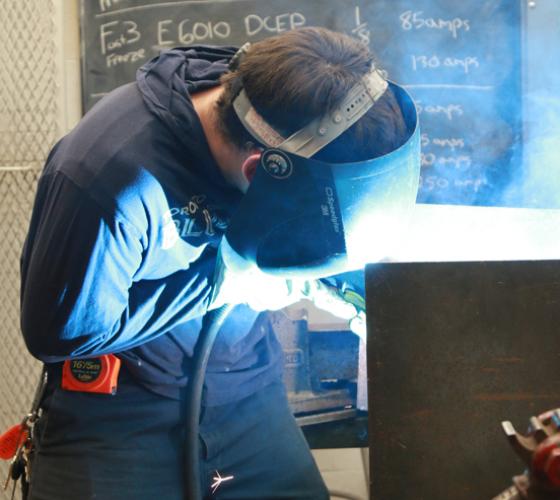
91	375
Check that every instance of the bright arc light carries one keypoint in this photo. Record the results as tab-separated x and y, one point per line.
440	233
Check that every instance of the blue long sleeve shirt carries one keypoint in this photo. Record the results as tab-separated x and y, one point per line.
129	212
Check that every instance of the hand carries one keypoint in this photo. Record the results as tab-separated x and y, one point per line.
263	292
358	325
260	291
344	304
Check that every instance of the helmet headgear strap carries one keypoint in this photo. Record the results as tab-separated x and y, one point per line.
320	131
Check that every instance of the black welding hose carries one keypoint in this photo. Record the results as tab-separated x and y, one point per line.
211	324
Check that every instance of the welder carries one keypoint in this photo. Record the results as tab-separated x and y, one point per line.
121	261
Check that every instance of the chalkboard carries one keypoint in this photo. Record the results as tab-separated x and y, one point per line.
460	59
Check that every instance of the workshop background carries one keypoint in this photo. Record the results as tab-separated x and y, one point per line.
39	102
457	219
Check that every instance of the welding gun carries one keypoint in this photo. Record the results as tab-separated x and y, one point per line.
341	300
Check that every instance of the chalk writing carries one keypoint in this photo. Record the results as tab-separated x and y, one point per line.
474	184
431	182
187	32
434	182
461	162
415	21
361	30
452	143
434	62
450	111
254	24
129	57
116	34
107	4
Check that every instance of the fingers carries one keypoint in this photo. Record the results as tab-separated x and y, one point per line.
358	326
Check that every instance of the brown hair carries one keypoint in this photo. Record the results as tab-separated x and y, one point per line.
300	75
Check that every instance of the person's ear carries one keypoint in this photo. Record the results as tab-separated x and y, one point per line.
249	166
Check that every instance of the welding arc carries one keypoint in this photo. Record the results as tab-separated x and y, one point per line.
211	324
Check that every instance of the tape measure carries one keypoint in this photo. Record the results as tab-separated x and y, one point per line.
91	375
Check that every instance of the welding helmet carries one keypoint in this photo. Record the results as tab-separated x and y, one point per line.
307	218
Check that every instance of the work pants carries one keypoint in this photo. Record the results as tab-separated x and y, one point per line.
130	446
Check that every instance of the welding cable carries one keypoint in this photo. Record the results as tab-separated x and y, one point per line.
211	324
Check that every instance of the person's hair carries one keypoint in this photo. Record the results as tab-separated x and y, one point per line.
293	78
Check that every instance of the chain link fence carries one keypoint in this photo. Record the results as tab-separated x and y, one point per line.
28	129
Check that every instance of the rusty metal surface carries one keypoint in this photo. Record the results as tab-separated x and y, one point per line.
454	349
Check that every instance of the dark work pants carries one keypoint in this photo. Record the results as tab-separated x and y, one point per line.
130	446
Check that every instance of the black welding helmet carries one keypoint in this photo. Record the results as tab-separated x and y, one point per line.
308	218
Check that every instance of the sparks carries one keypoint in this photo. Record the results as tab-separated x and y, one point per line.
218	480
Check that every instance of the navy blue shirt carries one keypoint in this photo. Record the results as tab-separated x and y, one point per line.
119	258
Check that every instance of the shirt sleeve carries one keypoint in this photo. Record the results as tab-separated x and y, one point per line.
79	296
